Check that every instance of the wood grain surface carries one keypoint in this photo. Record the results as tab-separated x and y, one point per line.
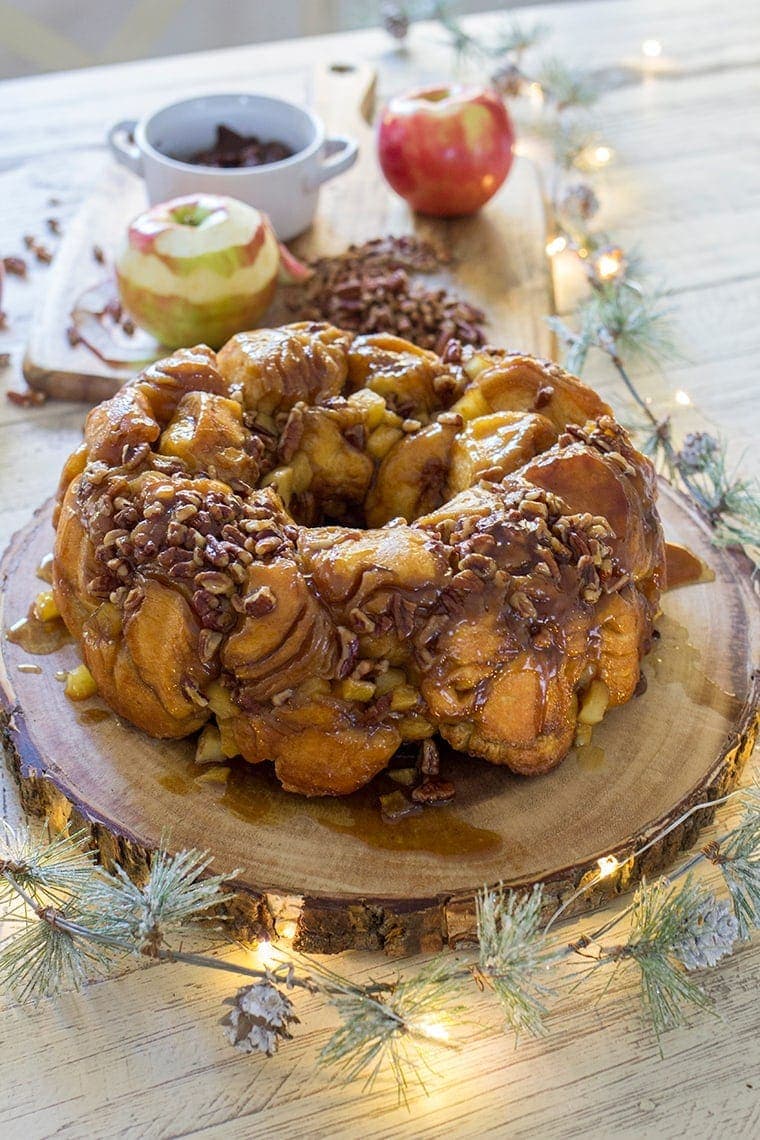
353	882
142	1055
498	259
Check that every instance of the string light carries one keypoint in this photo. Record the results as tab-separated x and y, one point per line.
609	263
435	1030
556	245
536	93
288	930
608	865
265	953
651	49
682	398
601	155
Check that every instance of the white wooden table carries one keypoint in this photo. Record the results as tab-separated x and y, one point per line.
142	1055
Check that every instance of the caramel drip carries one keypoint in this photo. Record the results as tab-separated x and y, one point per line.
37	636
684	568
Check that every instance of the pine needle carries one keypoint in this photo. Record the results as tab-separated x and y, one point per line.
739	861
39	958
177	892
514	955
388	1029
48	869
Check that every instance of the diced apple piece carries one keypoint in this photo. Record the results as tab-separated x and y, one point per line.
209	747
594	703
45	606
80	684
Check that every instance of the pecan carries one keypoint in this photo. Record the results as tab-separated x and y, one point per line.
543	396
520	602
99	587
292	433
267	546
453	419
356	435
172	556
215	582
467	580
216	554
403	612
176	533
434	792
232	533
260	602
480	563
349	651
237	572
621	463
534	508
208	644
430	759
361	622
133	599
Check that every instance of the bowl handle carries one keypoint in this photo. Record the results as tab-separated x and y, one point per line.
123	150
340	154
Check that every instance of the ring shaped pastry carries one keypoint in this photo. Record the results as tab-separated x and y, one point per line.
325	545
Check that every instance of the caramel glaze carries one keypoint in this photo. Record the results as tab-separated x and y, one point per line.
255	796
41	637
684	568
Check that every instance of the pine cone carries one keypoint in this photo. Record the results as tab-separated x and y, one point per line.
259	1019
578	201
508	79
697	450
709	937
395	20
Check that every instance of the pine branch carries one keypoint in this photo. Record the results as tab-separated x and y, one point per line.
379	1030
514	957
177	891
48	869
507	39
738	857
567	87
674	929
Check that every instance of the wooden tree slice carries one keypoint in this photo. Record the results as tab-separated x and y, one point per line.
331	866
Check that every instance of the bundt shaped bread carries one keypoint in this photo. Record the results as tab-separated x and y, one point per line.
336	543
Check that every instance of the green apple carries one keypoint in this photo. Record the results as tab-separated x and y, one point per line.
198	269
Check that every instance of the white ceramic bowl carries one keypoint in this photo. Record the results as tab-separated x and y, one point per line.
287	191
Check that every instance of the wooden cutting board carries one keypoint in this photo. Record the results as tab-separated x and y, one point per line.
331	866
499	260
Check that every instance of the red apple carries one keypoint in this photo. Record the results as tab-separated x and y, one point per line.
201	268
446	150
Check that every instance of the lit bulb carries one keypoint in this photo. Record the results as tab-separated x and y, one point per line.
555	246
288	930
602	155
433	1029
651	49
609	263
265	953
608	864
682	398
536	93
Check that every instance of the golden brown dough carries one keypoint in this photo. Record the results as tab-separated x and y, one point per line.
329	545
